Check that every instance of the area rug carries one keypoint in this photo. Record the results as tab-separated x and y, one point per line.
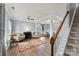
31	43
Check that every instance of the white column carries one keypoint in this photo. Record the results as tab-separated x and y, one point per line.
51	28
36	27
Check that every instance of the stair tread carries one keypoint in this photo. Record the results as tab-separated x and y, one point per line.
71	53
73	41
71	50
74	35
65	54
75	28
71	45
74	38
74	32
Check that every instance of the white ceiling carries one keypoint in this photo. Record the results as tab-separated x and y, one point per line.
37	10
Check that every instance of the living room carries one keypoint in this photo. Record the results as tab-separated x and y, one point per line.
31	25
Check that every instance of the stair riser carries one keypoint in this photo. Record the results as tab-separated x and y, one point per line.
77	15
66	54
72	52
69	47
76	23
77	12
74	30
74	35
76	20
73	41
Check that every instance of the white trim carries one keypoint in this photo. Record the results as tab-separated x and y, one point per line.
72	20
77	5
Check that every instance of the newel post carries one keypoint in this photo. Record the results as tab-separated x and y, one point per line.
52	46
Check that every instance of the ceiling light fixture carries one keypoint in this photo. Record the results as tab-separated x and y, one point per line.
29	18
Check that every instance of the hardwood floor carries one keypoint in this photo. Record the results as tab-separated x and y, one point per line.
38	47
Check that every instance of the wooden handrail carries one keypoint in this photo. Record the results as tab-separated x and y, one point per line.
60	26
55	34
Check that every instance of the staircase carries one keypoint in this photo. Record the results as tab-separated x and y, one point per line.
72	46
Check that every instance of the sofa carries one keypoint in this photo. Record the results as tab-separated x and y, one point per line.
17	36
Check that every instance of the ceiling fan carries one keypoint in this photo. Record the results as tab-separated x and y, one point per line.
29	18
